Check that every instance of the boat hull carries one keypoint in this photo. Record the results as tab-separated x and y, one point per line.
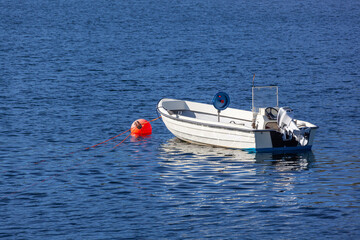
209	135
252	141
229	136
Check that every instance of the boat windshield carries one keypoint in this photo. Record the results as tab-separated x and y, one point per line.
263	97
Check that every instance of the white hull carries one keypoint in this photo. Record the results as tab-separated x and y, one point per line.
207	135
198	123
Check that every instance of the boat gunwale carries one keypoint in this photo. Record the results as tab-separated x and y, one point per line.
212	114
204	123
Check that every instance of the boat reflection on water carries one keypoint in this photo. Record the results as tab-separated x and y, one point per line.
289	161
176	151
205	173
181	149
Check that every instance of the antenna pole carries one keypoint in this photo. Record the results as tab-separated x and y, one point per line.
252	100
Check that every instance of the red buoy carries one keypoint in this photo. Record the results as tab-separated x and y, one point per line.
141	127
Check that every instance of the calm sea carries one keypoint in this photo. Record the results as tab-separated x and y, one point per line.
75	73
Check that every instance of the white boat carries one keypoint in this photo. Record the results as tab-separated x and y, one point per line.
266	128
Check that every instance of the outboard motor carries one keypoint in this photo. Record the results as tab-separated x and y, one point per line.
288	127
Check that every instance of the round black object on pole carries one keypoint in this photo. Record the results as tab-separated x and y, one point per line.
221	101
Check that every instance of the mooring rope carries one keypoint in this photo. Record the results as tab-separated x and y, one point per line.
73	167
121	141
82	149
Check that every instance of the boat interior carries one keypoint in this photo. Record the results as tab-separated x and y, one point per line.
211	117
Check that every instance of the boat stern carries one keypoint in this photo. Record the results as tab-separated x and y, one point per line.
270	141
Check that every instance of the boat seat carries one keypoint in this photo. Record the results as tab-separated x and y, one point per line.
185	113
175	105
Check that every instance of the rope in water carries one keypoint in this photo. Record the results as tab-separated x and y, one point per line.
75	166
84	148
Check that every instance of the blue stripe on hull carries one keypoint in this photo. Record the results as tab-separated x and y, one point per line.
281	149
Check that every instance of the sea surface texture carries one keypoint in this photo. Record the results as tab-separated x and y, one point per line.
76	73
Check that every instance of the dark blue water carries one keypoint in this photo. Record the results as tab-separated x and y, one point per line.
74	73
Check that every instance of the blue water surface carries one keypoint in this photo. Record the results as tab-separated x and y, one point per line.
75	73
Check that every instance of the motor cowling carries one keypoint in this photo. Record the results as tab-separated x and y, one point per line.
288	127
